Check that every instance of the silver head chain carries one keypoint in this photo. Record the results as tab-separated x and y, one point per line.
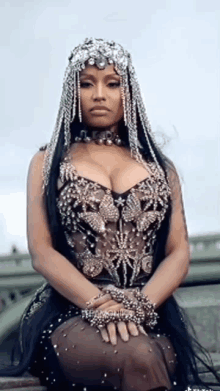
99	52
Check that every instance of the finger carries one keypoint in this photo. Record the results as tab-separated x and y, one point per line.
122	329
112	333
104	334
132	327
97	302
142	330
109	304
110	307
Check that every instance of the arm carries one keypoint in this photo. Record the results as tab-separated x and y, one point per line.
55	268
174	268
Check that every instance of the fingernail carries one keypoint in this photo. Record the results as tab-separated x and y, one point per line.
143	331
126	338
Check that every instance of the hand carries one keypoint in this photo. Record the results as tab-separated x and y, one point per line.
105	303
109	331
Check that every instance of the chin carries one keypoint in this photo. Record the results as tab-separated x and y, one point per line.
100	124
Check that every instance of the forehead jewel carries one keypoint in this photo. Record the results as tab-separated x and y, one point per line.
99	52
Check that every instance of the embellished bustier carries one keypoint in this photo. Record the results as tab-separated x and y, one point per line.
110	233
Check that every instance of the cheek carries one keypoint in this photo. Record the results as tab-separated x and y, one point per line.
118	101
118	106
84	100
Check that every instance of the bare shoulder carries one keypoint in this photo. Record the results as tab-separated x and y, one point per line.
172	173
38	233
170	167
38	157
35	174
36	165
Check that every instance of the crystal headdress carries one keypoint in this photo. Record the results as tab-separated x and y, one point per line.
99	52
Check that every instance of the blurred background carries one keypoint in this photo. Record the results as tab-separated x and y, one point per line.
175	47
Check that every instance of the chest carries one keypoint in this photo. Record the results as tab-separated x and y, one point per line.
113	172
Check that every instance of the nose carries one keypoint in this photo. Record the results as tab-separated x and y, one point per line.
99	92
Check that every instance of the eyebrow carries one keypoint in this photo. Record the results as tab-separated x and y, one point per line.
93	77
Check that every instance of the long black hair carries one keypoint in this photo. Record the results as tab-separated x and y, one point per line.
175	321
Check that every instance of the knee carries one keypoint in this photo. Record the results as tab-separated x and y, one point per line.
143	356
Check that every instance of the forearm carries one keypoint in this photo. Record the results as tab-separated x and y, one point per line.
64	277
167	277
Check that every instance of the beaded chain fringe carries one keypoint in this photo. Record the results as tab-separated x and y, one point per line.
101	53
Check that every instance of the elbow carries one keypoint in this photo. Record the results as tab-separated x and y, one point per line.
34	258
188	260
185	274
181	259
186	264
39	258
36	262
185	256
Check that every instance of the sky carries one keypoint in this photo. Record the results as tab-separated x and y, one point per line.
175	48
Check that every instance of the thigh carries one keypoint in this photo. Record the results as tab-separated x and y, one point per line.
77	335
85	357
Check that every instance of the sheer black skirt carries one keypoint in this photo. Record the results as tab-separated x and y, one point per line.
65	352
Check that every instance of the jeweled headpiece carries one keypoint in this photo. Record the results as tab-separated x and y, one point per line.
99	52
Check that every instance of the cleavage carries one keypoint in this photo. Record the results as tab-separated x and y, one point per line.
130	175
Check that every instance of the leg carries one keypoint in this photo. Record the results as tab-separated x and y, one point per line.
141	364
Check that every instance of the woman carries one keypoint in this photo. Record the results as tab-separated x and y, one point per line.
106	229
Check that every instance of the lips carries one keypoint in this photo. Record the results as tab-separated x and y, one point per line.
99	108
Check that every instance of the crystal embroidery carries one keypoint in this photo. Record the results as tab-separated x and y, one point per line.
133	211
107	212
40	297
110	232
92	265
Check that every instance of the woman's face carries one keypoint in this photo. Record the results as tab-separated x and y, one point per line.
100	88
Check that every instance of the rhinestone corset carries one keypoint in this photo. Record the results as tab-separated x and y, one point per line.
110	233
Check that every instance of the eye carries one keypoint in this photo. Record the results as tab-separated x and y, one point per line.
114	84
85	84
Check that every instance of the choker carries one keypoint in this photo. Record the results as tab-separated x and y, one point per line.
106	137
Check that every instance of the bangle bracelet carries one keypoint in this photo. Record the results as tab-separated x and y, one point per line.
144	309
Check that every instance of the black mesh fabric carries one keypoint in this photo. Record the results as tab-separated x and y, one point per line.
113	237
